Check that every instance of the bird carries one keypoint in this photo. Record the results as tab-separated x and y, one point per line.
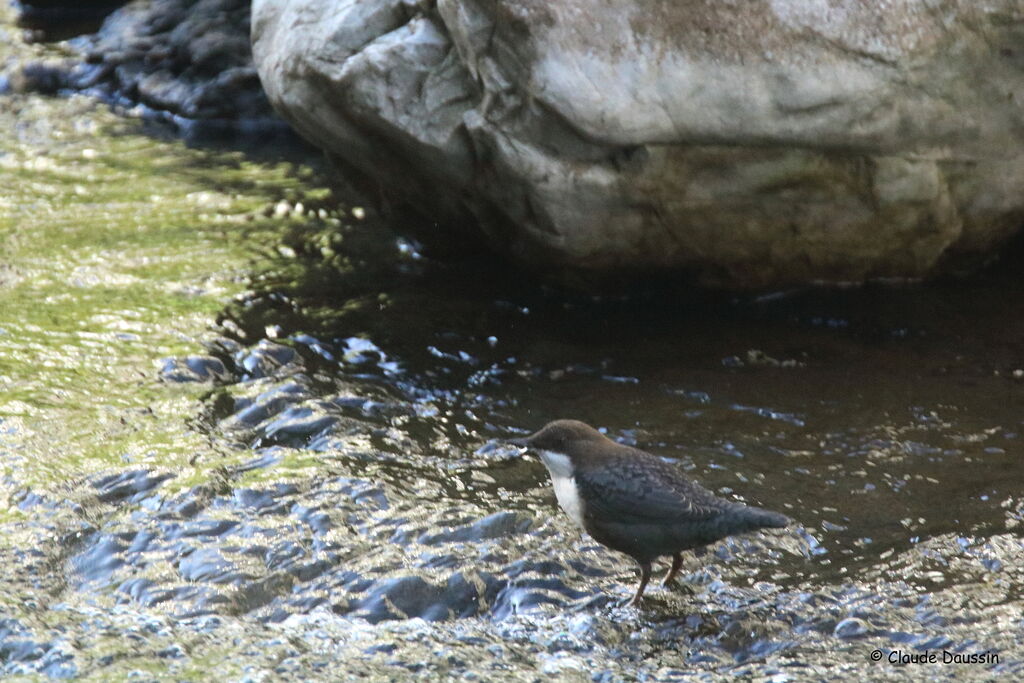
634	502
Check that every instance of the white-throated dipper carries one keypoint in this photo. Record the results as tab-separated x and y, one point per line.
634	502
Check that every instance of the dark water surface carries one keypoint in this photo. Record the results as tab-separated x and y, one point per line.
247	440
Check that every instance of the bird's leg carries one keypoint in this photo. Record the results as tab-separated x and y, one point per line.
645	576
677	562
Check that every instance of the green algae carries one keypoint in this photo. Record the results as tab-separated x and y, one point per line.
120	246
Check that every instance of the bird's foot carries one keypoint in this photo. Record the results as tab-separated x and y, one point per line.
677	563
633	601
645	576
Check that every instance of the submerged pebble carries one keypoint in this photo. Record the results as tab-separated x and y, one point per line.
850	628
193	369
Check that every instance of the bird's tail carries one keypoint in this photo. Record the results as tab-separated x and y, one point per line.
735	518
759	518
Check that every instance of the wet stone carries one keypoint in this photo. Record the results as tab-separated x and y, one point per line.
412	596
315	345
199	528
175	651
938	642
267	458
298	424
264	360
30	499
358	407
101	559
131	485
193	369
498	525
57	663
208	565
222	347
140	541
516	599
137	589
358	350
319	522
251	412
284	556
527	567
16	644
264	501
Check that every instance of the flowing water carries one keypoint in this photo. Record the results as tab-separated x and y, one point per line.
249	439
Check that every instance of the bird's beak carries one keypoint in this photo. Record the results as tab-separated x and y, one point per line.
522	442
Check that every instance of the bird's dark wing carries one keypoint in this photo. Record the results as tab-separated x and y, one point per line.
642	489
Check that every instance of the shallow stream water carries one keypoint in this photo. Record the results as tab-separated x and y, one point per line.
247	438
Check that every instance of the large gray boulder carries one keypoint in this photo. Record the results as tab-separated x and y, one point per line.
752	143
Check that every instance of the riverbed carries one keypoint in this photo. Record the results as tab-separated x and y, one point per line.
250	430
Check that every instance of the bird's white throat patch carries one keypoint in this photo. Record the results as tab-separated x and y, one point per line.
560	468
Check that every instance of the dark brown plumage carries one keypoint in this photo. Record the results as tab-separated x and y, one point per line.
634	502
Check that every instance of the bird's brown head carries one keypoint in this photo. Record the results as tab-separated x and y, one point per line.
562	436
